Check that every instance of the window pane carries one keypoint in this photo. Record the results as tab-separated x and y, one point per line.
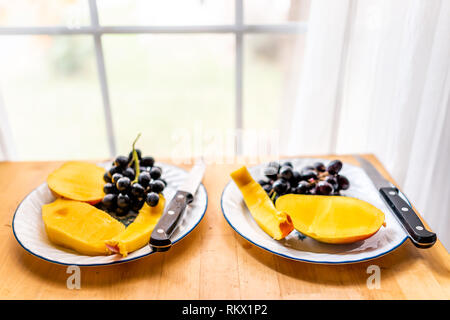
161	84
71	13
52	97
280	11
167	12
271	67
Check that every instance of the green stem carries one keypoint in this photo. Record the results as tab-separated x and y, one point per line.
136	160
273	196
135	140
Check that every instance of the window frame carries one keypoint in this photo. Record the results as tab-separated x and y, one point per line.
239	28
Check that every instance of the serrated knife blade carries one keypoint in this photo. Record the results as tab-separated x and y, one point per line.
377	179
194	178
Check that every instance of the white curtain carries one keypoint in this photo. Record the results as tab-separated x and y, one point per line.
7	151
376	79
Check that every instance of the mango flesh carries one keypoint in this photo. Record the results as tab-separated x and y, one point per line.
78	180
332	219
138	233
275	223
79	226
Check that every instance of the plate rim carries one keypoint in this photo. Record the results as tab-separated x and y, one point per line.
112	262
296	258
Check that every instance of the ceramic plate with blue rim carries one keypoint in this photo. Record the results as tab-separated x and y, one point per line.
298	247
29	229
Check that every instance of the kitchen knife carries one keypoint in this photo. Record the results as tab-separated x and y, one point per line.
399	205
160	237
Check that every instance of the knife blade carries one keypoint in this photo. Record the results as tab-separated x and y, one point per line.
160	237
399	205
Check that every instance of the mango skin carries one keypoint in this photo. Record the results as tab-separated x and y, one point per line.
274	222
79	226
77	180
332	219
138	233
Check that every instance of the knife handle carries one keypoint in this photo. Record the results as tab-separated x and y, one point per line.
160	238
420	236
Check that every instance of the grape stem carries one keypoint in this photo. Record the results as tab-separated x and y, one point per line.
273	196
136	160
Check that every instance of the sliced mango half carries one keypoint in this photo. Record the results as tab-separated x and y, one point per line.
276	223
77	180
79	226
332	219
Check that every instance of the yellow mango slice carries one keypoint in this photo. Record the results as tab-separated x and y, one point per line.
78	180
332	219
275	223
138	233
79	226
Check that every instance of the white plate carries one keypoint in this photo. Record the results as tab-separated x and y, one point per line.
297	247
29	230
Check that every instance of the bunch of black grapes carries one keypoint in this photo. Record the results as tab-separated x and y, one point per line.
317	179
125	192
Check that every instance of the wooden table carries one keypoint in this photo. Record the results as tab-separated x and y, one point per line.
213	262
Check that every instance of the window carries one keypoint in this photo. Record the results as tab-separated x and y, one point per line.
80	78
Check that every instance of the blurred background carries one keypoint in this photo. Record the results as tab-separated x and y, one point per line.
80	78
155	80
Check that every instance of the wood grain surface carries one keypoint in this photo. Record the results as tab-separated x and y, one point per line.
213	262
